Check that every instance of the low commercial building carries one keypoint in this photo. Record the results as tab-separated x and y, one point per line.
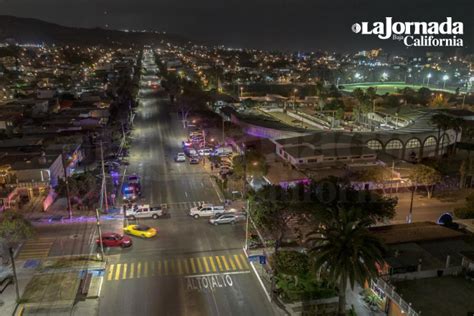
323	148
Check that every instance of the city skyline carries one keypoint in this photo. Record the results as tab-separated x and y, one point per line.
297	26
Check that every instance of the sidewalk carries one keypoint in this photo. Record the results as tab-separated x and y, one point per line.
425	209
8	297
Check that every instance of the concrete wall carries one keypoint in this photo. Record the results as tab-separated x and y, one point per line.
326	306
425	274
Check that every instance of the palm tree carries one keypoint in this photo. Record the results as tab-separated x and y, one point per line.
344	250
441	121
456	124
468	132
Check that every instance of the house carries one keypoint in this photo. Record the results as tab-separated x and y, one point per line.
422	251
323	148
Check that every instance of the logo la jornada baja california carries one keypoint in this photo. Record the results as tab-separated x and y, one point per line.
415	33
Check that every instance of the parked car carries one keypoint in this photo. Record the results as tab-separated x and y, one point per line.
227	218
140	231
131	191
134	179
206	210
190	152
114	240
194	160
204	152
180	157
143	211
222	151
195	133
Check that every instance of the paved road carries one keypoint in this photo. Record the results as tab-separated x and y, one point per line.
424	209
191	267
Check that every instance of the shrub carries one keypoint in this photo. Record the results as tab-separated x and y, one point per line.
464	213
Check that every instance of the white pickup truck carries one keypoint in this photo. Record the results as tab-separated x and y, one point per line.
206	210
144	211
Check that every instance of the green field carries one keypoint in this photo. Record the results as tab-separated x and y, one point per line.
386	87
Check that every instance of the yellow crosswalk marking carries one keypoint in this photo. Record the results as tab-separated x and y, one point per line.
244	260
145	272
177	266
206	266
193	267
213	266
225	263
232	263
236	258
124	272
38	248
199	265
219	263
117	271
111	271
132	270
139	270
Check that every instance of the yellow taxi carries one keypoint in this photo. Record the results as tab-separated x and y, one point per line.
140	231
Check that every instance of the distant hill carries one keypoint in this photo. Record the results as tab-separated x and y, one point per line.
26	30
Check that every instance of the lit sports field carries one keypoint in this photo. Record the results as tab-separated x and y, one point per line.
386	87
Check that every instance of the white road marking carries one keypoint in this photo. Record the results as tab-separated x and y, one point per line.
211	274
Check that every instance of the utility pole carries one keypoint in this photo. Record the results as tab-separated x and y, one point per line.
12	258
103	177
247	225
66	179
99	230
410	212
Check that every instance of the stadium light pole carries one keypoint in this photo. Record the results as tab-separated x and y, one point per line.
445	78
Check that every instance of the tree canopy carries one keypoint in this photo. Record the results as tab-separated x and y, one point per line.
425	176
255	161
14	227
344	250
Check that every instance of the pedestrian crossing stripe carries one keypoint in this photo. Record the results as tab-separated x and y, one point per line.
37	248
177	266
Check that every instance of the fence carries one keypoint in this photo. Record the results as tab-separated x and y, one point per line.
389	291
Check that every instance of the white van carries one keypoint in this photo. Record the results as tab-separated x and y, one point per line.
222	151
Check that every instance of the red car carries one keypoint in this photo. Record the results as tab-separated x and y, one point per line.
114	240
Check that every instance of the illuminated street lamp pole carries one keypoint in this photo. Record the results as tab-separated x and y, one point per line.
428	79
445	78
66	179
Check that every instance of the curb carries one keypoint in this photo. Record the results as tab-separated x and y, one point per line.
267	294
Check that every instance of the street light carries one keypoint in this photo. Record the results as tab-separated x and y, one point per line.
295	91
384	76
241	92
357	76
428	76
445	78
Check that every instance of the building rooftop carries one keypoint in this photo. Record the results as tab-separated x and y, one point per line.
414	232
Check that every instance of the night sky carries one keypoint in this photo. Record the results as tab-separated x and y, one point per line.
267	24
